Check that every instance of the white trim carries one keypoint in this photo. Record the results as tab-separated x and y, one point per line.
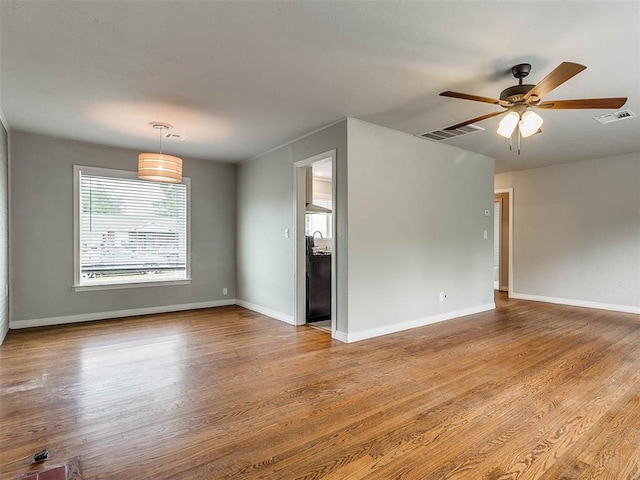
283	317
116	286
299	267
419	322
509	190
89	317
9	233
3	119
187	182
76	224
78	286
3	333
340	336
299	246
577	303
335	202
292	141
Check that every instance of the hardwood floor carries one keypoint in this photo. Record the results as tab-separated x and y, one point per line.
530	391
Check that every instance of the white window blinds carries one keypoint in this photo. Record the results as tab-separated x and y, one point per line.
130	230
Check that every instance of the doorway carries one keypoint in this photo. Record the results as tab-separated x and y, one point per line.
503	240
315	233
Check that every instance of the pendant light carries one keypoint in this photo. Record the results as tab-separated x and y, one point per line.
159	167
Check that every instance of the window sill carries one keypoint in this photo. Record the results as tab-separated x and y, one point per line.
115	286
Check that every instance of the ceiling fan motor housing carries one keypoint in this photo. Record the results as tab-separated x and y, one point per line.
514	94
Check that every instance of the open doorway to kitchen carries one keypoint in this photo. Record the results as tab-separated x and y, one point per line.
315	229
503	240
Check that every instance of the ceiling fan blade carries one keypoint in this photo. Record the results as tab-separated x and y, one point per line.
583	103
466	96
557	77
474	120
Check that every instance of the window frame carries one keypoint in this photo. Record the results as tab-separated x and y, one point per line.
322	200
78	286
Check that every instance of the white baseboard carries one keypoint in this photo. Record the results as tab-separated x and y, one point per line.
3	332
88	317
576	303
341	336
420	322
266	311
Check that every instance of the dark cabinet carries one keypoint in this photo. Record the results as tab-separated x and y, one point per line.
318	286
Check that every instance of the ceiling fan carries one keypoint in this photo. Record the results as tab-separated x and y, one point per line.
519	100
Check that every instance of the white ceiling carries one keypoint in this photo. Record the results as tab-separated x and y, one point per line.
240	78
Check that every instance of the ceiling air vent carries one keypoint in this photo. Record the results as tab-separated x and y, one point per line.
175	136
439	135
614	117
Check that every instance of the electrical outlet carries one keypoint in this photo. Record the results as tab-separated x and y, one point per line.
225	291
442	296
286	233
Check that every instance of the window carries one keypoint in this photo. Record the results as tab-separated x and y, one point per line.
319	222
129	231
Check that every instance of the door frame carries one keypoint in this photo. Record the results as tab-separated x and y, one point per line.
500	240
299	253
509	191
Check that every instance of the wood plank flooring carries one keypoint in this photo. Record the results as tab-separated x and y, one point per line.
529	391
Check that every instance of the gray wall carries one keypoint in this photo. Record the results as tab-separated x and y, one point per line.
42	231
416	224
4	234
265	258
577	231
416	211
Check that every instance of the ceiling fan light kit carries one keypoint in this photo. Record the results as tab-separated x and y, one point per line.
530	123
159	167
519	99
508	124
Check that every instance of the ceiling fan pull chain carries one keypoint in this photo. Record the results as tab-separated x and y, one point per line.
519	137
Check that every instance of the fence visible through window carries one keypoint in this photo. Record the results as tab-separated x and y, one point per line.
130	230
